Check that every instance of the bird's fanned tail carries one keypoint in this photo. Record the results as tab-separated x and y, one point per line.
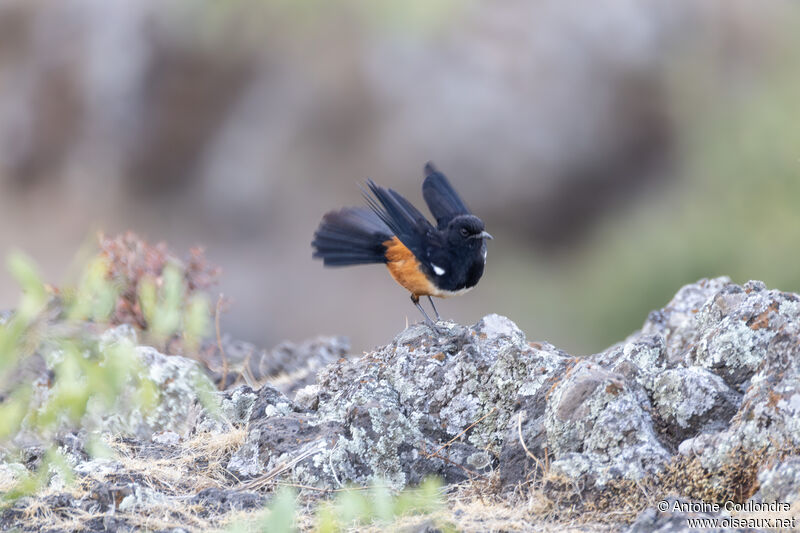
351	236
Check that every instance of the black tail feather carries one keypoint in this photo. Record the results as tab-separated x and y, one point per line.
351	236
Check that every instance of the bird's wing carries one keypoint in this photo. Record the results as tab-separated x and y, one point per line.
405	220
442	199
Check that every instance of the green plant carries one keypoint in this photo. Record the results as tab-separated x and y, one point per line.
58	372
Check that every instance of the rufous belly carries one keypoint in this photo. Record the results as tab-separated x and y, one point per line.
405	269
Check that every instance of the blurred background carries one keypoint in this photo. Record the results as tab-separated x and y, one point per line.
615	149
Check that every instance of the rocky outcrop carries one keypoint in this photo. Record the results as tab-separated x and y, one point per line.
434	402
702	402
712	374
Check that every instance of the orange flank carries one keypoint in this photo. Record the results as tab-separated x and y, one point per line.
405	269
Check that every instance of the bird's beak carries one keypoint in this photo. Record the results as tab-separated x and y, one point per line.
485	235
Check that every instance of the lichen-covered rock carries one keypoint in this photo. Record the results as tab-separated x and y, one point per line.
640	359
274	426
233	407
688	400
525	444
749	337
599	427
712	373
433	402
676	322
779	482
178	381
728	381
734	329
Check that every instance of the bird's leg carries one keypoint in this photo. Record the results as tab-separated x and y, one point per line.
415	299
438	318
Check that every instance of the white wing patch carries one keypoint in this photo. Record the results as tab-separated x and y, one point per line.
437	269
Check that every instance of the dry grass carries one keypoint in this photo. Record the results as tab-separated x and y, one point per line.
193	465
174	474
526	510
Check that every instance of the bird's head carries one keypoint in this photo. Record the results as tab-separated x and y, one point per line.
467	230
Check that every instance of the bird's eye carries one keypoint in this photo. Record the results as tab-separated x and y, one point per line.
464	232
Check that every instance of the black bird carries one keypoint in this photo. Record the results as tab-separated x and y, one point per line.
442	261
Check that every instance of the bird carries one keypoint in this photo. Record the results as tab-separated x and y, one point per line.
444	260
